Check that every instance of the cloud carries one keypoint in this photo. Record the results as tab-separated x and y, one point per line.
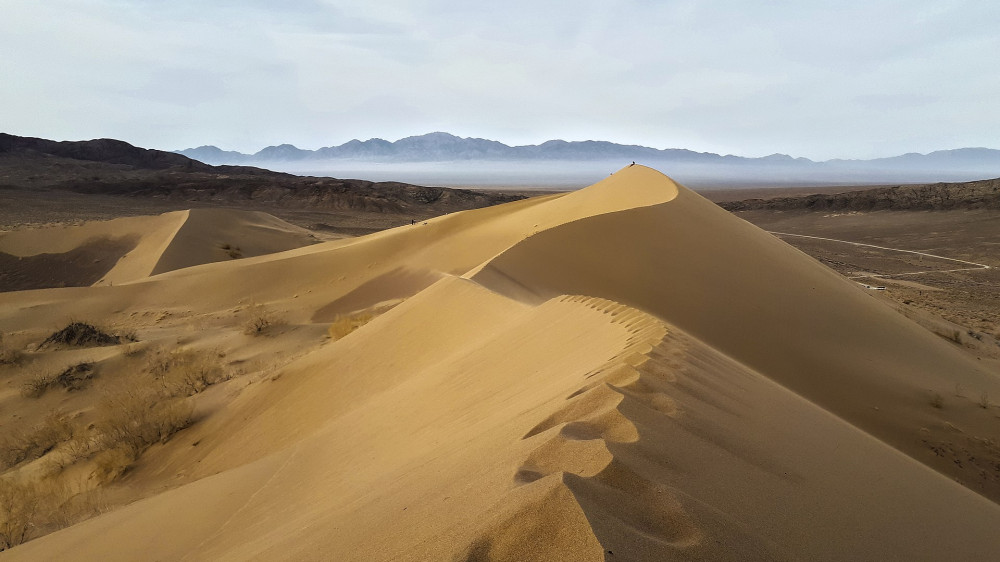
852	79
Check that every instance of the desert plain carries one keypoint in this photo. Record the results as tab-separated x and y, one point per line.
624	372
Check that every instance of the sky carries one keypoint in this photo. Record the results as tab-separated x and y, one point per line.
848	79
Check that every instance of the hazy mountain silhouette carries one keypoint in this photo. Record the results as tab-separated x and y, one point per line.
554	160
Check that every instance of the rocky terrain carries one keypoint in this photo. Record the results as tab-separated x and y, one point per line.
110	167
983	194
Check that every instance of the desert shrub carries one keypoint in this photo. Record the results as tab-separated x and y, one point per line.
128	336
134	417
36	385
233	252
8	355
83	335
193	372
937	400
25	444
258	319
984	400
343	325
74	377
132	349
185	373
112	463
18	507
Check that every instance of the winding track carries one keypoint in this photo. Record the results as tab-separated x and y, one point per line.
873	275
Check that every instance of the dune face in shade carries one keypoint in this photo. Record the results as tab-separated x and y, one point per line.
623	372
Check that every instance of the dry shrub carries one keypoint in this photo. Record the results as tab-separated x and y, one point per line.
132	349
18	509
74	377
82	334
193	372
984	400
234	252
259	319
185	373
9	355
937	400
112	463
20	445
36	385
135	416
343	325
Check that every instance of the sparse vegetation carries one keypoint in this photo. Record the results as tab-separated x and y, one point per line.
128	421
937	400
83	335
186	373
234	252
74	377
259	319
8	355
343	325
26	444
18	507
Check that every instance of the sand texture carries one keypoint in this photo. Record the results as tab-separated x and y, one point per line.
625	372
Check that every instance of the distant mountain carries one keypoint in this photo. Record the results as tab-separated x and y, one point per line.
445	147
108	151
113	167
583	162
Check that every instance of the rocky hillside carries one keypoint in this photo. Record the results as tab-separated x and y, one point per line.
982	194
112	167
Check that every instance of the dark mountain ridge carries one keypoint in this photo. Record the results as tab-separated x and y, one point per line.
113	167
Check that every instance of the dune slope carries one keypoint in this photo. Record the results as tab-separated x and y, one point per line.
624	372
132	248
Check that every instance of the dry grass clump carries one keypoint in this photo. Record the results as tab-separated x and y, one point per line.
18	508
937	400
343	325
9	355
126	423
74	377
258	319
185	373
234	252
25	444
984	400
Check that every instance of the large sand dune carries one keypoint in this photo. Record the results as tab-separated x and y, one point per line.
621	373
132	248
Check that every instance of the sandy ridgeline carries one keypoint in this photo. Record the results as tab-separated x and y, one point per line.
626	372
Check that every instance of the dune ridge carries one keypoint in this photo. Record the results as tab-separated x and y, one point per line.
138	247
624	372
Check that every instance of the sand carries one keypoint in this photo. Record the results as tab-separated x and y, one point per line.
133	248
626	372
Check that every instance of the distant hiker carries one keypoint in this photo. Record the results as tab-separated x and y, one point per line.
413	221
633	162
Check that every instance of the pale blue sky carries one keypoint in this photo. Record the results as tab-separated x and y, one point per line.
817	79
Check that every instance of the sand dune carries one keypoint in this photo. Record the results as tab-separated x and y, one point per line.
133	248
624	372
